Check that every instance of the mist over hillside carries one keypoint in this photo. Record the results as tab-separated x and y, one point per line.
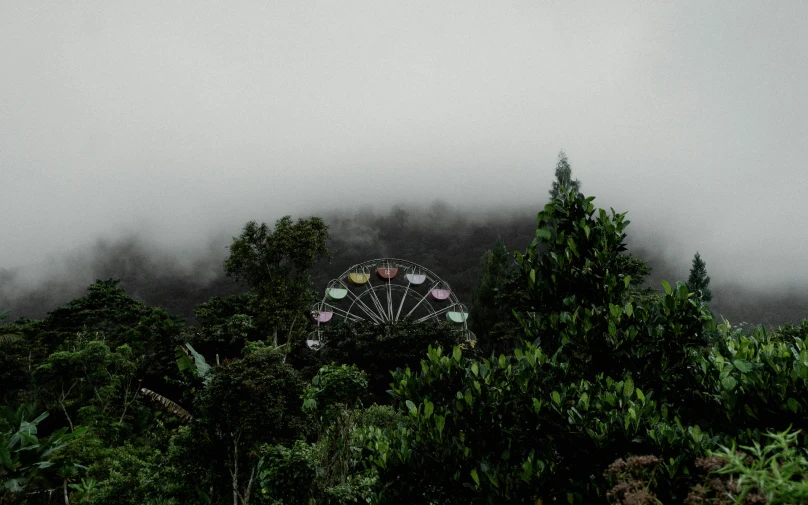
444	239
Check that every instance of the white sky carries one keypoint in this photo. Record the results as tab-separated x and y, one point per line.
186	118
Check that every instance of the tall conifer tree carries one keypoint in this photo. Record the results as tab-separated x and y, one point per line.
699	280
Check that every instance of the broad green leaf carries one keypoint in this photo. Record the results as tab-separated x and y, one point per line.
475	369
743	366
543	233
429	407
457	353
667	287
729	383
628	387
556	398
793	404
475	476
695	432
13	485
411	407
440	421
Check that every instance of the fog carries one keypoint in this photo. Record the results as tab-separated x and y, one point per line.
175	122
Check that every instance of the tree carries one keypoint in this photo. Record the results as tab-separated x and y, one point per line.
247	403
275	264
491	315
91	383
698	280
564	179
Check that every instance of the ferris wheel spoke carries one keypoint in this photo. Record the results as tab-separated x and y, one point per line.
377	302
347	315
367	310
389	300
364	308
359	303
434	314
422	299
403	297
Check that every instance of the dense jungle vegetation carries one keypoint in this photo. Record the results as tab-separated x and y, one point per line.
583	386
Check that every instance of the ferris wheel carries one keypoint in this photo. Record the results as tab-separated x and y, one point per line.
384	291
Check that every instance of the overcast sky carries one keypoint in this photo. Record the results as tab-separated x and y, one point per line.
183	118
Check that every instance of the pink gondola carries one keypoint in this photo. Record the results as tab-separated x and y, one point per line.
440	295
322	317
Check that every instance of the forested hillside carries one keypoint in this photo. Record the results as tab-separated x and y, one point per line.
441	237
583	384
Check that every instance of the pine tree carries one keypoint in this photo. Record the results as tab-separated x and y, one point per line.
564	178
699	280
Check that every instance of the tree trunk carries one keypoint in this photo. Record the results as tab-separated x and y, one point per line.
245	499
234	472
69	422
64	407
64	487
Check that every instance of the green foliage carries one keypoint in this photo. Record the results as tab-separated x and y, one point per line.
329	471
7	337
108	314
91	383
582	371
288	476
603	377
247	403
129	475
777	471
24	457
275	265
759	379
491	314
581	309
228	324
511	428
377	349
698	280
334	385
256	397
194	363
